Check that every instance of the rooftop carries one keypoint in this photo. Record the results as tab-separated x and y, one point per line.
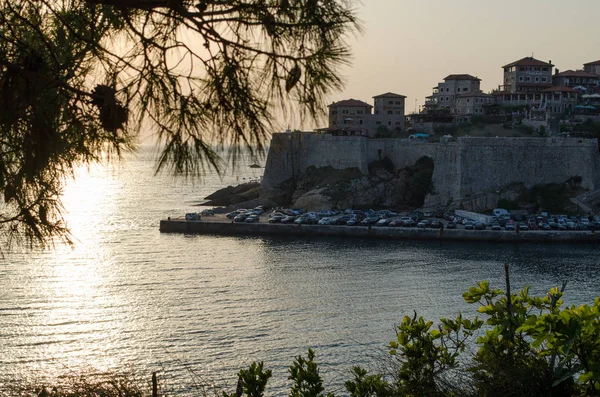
350	102
389	95
592	63
460	77
528	61
560	88
576	73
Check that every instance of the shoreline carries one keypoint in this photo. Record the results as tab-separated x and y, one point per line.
395	233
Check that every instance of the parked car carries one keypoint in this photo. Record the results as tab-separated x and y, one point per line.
305	220
384	222
496	226
572	226
240	218
510	226
370	220
469	225
354	222
479	226
276	218
207	212
424	223
396	223
252	219
192	216
436	224
342	220
289	219
232	214
451	225
324	221
545	226
523	226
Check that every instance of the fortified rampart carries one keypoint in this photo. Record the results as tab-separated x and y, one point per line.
462	168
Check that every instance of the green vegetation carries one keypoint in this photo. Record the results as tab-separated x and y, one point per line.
551	197
517	345
589	129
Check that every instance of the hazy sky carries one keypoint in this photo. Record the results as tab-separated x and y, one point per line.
408	46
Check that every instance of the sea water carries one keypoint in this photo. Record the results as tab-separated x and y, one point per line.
125	298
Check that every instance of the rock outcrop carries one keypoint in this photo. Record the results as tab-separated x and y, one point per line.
384	187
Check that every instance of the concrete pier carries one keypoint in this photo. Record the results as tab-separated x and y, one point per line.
398	233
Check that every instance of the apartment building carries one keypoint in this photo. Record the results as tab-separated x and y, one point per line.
388	111
474	103
445	93
527	75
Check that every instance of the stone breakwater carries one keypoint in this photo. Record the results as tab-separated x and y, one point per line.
266	229
463	168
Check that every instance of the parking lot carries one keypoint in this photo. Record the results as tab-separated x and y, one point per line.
406	219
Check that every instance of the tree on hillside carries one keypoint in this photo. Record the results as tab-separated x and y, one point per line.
79	79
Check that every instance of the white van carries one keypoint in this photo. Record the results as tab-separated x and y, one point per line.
498	212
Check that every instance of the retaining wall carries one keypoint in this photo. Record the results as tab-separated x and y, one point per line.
463	167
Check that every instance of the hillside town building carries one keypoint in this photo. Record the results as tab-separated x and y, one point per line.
577	79
528	87
355	117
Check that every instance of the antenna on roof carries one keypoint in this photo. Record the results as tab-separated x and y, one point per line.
532	54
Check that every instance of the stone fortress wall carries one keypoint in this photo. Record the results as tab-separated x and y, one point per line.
463	168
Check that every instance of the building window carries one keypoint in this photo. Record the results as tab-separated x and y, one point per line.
344	112
521	78
544	79
334	122
389	123
334	112
527	78
465	89
537	79
378	122
447	98
398	103
468	100
359	112
390	102
376	111
390	112
545	69
398	123
398	112
360	121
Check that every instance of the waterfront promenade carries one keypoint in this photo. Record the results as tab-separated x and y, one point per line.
223	226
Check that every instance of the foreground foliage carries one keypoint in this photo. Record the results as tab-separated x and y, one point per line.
518	345
80	78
